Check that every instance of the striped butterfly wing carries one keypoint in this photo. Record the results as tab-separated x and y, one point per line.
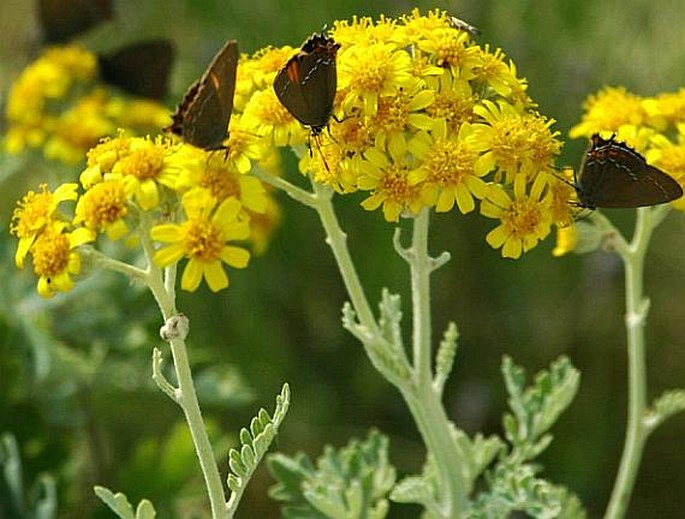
307	84
613	175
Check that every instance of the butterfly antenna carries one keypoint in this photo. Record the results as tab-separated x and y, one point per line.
317	141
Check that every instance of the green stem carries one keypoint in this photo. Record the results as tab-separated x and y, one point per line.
636	312
420	290
164	291
423	401
337	240
294	192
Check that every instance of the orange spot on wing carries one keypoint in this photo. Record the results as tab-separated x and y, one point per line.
293	71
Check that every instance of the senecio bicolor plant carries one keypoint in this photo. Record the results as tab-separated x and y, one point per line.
425	120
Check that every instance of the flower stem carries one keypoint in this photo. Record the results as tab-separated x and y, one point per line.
337	240
423	401
162	288
636	312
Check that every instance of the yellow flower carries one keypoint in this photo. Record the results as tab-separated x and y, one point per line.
328	164
266	116
258	72
34	212
263	225
665	109
102	158
203	238
454	100
243	145
450	170
387	177
79	128
55	259
368	72
145	167
416	26
223	181
567	239
670	157
400	113
524	220
362	31
518	143
608	110
453	49
103	208
563	197
491	70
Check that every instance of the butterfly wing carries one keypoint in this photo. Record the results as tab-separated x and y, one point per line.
202	118
62	20
613	175
307	84
141	69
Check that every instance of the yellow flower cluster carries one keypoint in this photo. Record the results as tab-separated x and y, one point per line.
58	104
654	126
423	118
191	203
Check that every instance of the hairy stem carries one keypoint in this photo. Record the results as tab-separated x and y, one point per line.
423	401
636	313
162	288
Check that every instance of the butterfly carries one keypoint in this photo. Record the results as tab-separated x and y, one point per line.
306	85
62	20
614	175
202	117
141	69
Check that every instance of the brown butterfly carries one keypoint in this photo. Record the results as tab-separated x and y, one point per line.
614	175
306	85
202	117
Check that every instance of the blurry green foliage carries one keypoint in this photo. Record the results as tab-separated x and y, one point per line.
74	372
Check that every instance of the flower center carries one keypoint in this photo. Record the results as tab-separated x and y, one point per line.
202	240
50	254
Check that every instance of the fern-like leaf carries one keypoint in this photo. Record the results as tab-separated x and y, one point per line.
350	482
668	404
253	445
119	505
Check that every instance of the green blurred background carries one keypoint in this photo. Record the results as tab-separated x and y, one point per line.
74	373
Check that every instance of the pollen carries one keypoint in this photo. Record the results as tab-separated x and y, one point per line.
32	212
450	50
104	204
352	134
202	240
107	152
393	113
448	165
452	107
50	254
523	218
144	164
270	110
220	182
395	183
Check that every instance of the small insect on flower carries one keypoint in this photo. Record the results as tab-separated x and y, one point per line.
614	175
203	115
307	84
461	25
